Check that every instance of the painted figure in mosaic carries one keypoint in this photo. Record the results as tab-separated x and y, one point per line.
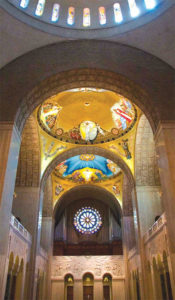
125	147
122	114
58	189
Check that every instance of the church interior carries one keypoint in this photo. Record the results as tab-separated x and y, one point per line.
87	148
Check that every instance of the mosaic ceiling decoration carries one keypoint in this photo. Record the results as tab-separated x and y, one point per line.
87	117
87	168
87	220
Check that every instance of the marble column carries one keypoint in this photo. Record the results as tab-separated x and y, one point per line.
139	243
129	242
165	148
78	289
149	206
47	233
47	244
9	152
28	207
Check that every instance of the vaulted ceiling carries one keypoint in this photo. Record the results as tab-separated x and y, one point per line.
156	37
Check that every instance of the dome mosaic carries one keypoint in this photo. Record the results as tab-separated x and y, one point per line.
89	117
87	168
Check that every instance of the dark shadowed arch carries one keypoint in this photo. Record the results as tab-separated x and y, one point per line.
86	191
43	72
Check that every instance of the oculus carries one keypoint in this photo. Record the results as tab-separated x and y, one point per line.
87	168
87	118
87	220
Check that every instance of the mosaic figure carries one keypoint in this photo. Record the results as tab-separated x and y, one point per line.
122	114
58	189
125	147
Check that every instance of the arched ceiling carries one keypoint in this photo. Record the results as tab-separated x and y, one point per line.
85	192
156	37
88	150
86	19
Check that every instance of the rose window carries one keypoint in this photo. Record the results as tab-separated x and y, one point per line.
87	220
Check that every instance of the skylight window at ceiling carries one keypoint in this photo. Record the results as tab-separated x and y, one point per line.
150	4
24	3
55	12
117	13
88	19
134	11
40	8
71	15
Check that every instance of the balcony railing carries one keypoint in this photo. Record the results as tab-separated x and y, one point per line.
155	228
20	229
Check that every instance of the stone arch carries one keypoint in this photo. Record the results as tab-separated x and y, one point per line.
86	78
87	273
28	171
107	274
87	150
84	191
68	274
61	66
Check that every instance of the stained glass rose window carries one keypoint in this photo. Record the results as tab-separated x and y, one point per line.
87	220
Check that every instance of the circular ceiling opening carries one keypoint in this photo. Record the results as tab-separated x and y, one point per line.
86	19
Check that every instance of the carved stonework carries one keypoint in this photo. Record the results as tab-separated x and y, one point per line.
79	265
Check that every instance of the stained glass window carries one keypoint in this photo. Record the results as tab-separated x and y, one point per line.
55	12
71	15
24	3
86	17
102	15
117	13
150	4
133	8
87	220
40	8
